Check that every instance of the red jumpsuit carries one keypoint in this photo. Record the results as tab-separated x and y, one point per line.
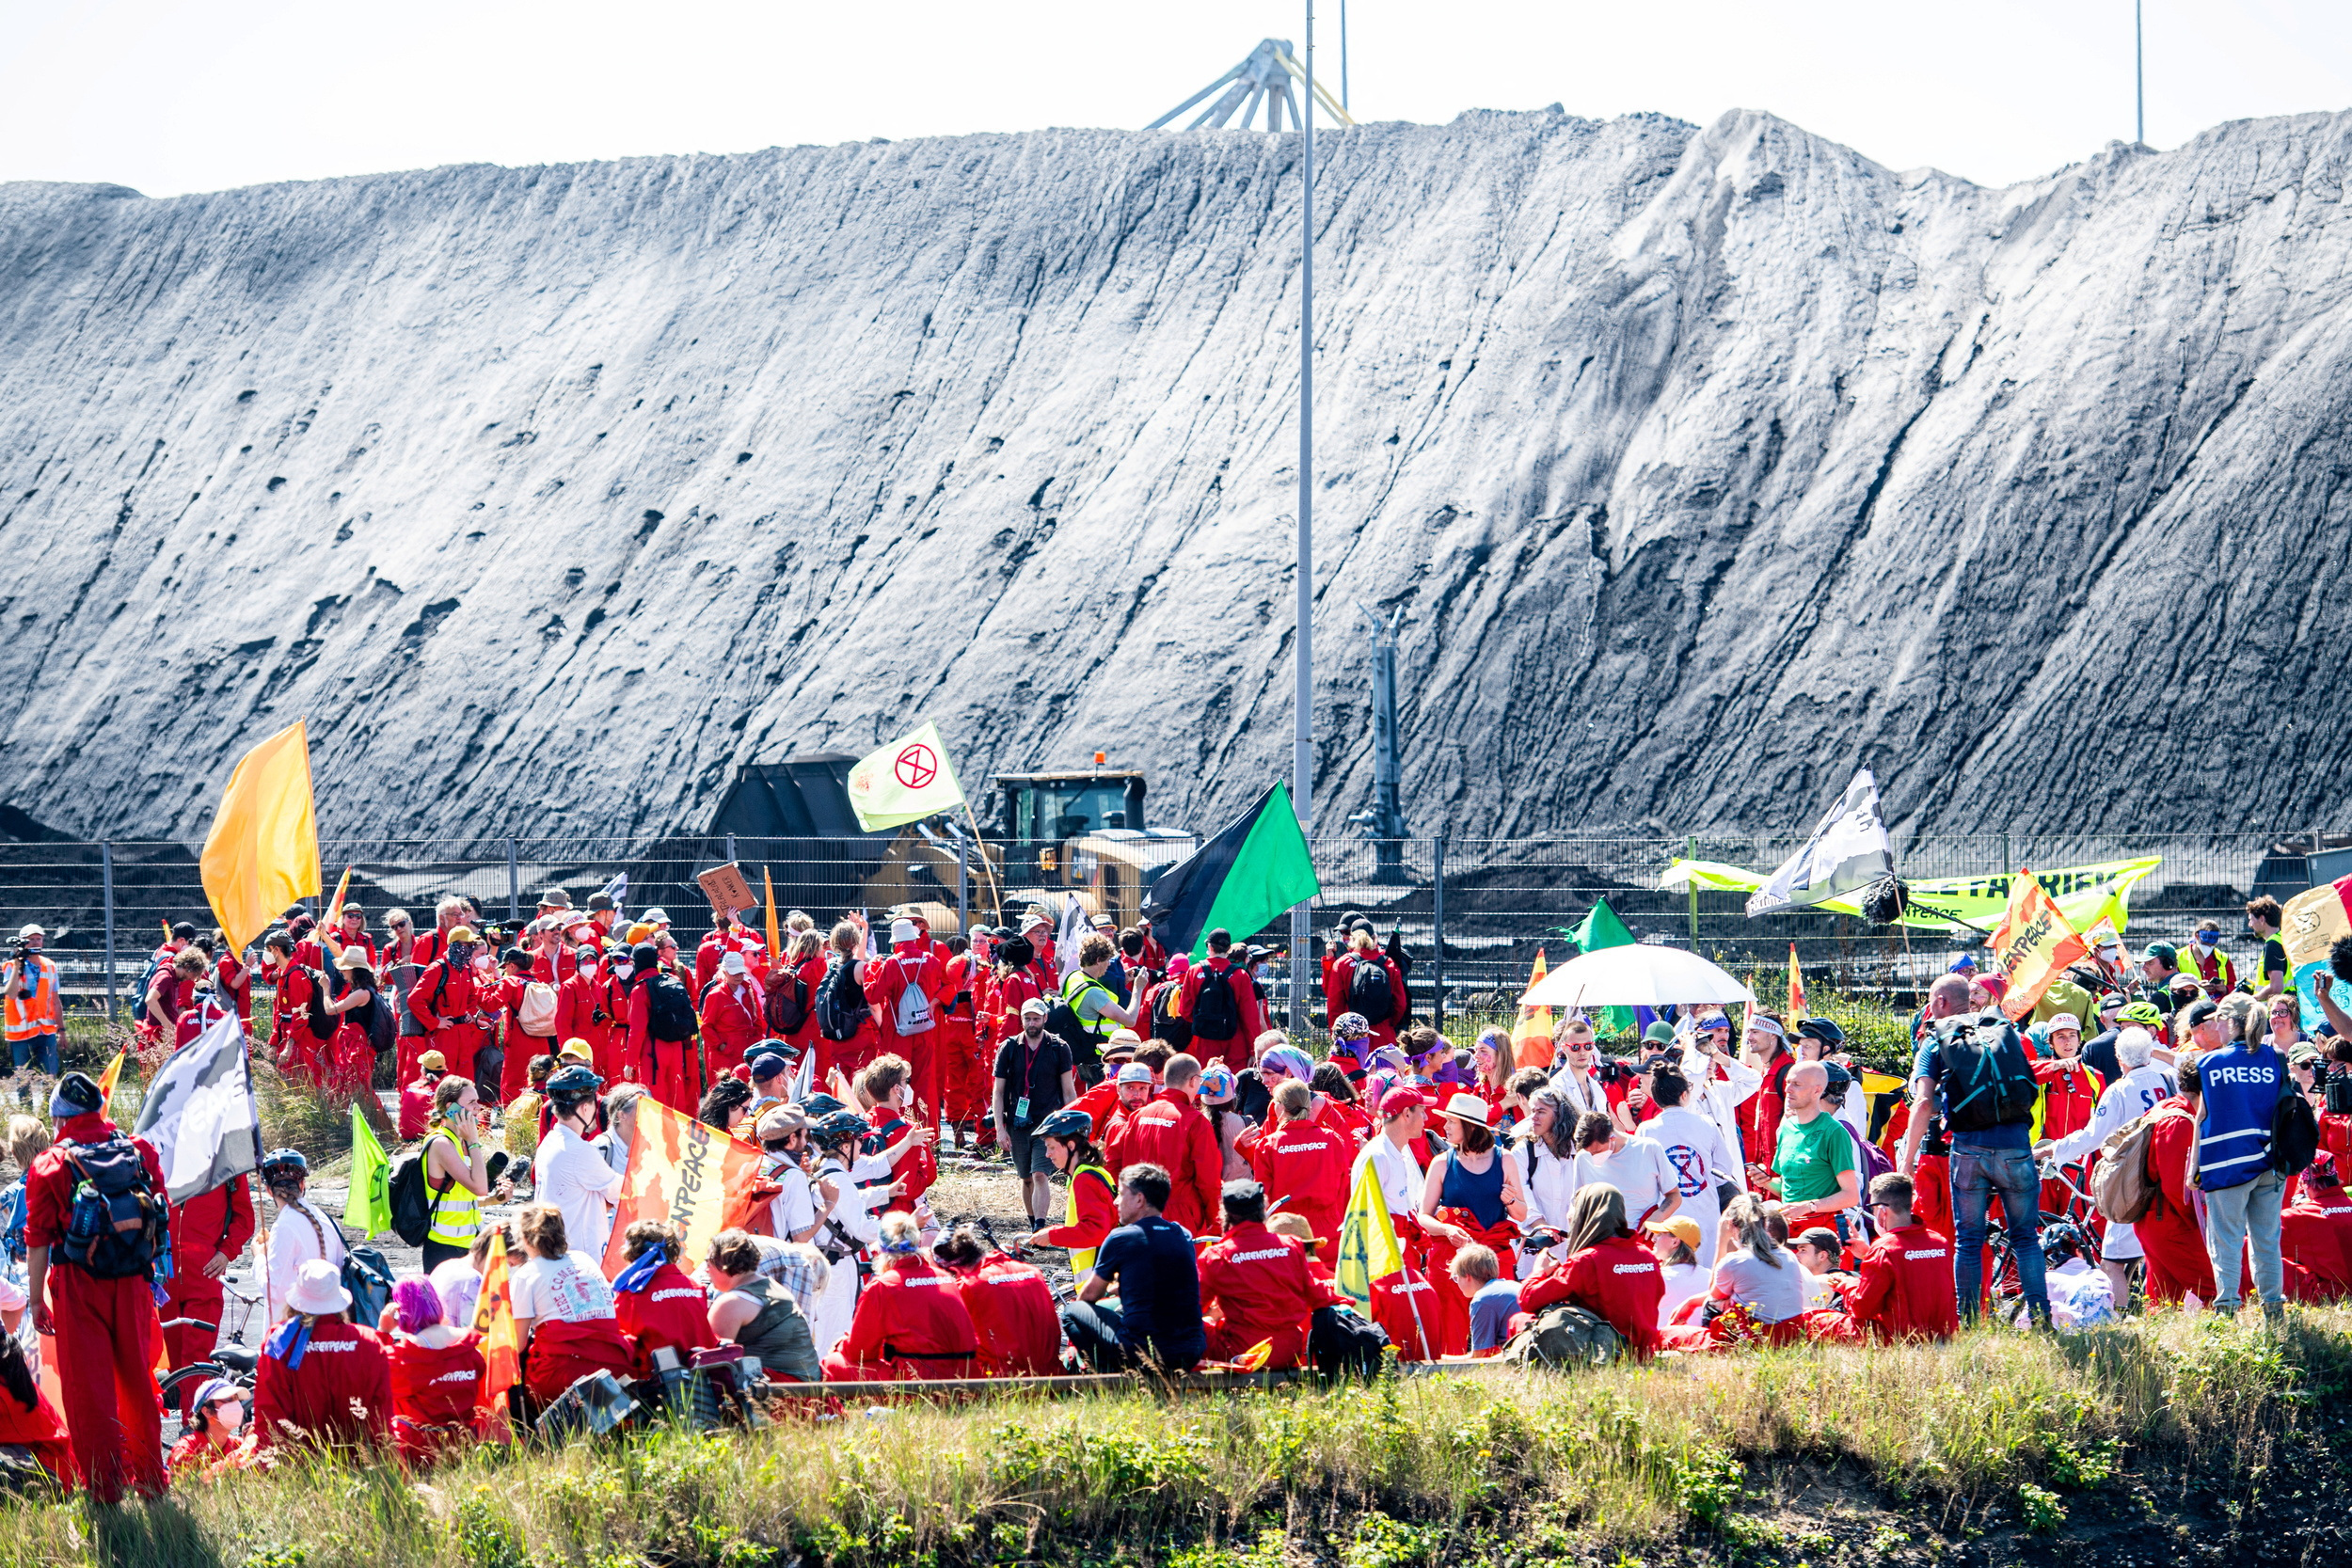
1304	1169
233	981
1097	1208
732	1024
1906	1290
105	1330
1340	977
1618	1279
416	1106
2307	1240
299	1052
911	1324
2177	1259
964	1077
515	1067
1234	1053
444	1002
341	1396
671	1310
1406	1310
38	1428
586	1011
437	1396
1013	1320
668	1066
1255	1284
218	1221
1169	1132
918	1168
2069	1093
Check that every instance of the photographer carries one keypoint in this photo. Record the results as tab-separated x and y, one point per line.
34	1010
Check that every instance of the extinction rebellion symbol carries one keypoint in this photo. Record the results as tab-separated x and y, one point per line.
916	766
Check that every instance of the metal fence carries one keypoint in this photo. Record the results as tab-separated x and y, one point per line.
1474	913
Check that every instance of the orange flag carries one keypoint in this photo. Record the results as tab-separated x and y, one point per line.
1256	1356
2035	944
682	1171
494	1320
108	1079
1796	987
775	942
1531	1037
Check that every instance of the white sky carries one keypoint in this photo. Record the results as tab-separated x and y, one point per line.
171	96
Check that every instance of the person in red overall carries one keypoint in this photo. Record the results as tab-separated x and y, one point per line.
232	982
1255	1284
2070	1094
656	1303
2312	1239
1304	1164
1169	1132
1019	976
1234	1004
586	1009
1406	1308
105	1327
28	1419
1608	1271
2178	1263
515	973
666	1066
964	1080
1905	1291
444	1002
416	1100
731	1015
1471	1194
885	1088
1013	1317
564	1309
2323	1191
1364	969
436	1372
350	1059
911	1321
322	1380
214	1441
208	1234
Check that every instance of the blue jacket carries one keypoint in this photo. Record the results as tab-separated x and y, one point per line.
2241	1097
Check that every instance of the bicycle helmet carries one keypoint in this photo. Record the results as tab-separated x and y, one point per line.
572	1086
833	1128
2060	1240
1070	1124
282	1165
1822	1029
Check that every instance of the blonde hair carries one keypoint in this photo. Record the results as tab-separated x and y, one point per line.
845	938
542	1228
1293	1098
798	923
28	1137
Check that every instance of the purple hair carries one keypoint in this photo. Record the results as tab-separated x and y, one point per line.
418	1305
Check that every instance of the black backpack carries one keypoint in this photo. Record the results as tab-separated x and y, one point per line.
316	1019
1165	1025
383	1030
1986	1080
2294	1134
785	1005
841	1006
1368	990
669	1011
411	1202
118	1224
1343	1342
369	1278
1216	1010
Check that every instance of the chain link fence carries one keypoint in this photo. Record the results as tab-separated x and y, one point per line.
1473	912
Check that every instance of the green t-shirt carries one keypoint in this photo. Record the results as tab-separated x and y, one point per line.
1809	1157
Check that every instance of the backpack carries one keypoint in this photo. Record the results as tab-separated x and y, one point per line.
669	1011
1216	1010
535	1014
1986	1081
2122	1188
1368	991
118	1224
411	1202
840	1003
1165	1025
146	984
1341	1342
369	1278
914	1013
785	1005
322	1027
1565	1337
383	1030
2294	1134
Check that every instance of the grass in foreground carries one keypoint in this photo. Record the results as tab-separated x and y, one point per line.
1690	1459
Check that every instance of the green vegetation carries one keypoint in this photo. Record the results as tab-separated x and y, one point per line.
1928	1447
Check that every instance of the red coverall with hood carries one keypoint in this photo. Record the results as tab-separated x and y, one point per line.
340	1395
911	1324
1169	1132
586	1009
909	965
1304	1169
1013	1318
1906	1289
732	1022
105	1329
1618	1279
1233	1053
2177	1259
444	1001
964	1084
1342	977
1256	1285
671	1309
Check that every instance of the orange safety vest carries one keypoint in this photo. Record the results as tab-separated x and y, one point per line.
40	1013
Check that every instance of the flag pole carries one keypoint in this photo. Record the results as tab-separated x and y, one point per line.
1303	739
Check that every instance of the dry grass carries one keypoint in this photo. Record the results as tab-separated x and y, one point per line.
1503	1466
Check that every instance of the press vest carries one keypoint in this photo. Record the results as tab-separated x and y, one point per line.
2242	1090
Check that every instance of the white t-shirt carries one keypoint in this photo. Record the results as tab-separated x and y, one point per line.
1401	1180
793	1210
1639	1170
293	1241
1818	1291
1771	1295
1683	1281
571	1289
460	1290
573	1173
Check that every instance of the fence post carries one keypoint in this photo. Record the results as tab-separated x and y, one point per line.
2008	863
107	875
730	848
1691	852
1437	941
513	884
964	884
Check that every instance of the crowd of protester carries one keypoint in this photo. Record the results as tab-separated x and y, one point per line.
1695	1189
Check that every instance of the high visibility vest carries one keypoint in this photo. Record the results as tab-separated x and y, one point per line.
2221	971
1082	1262
1099	1028
456	1213
40	1013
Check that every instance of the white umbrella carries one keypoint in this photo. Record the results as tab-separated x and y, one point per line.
1635	976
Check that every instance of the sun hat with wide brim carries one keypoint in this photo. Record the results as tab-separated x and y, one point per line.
318	1290
1467	1107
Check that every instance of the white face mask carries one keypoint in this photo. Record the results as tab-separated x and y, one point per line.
231	1414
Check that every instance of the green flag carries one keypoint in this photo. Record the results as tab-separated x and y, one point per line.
368	1206
1240	880
1598	930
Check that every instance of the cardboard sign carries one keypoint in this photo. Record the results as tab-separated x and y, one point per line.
724	886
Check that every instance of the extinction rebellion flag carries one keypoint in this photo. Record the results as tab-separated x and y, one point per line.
1240	880
905	782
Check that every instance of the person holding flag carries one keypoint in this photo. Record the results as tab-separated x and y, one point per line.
1381	1237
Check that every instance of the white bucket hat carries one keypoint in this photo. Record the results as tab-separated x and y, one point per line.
318	1290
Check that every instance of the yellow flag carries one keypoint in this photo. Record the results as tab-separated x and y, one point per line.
263	852
775	945
905	782
108	1079
2035	944
1368	1249
1256	1356
335	905
501	1338
1531	1037
1796	987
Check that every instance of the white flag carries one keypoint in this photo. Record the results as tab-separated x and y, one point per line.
1849	850
199	1114
1077	925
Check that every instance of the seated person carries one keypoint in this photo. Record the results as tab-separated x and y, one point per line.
911	1323
1818	1252
1255	1284
1493	1299
1608	1270
436	1375
28	1421
1906	1290
750	1309
1297	1229
1675	1243
653	1300
564	1309
1156	1319
1758	1290
1010	1303
322	1379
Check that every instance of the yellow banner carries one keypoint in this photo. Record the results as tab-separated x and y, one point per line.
2083	892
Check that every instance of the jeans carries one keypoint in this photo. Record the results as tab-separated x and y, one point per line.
40	1050
2232	1215
1977	1175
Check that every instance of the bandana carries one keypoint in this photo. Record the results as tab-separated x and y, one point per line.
1766	1026
640	1273
291	1341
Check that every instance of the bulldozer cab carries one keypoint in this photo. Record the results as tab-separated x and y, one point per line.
1084	830
1040	807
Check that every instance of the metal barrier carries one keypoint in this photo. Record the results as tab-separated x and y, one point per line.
1473	912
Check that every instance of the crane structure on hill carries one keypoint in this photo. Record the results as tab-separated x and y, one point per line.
1265	77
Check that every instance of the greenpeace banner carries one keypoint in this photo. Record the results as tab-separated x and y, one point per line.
2036	946
2314	922
2083	893
681	1171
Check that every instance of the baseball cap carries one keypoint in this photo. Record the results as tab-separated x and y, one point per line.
1681	1226
731	962
1820	1236
1134	1072
2163	953
1660	1033
1034	1005
1965	963
433	1061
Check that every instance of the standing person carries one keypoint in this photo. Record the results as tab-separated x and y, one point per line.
1169	1132
569	1169
2206	962
732	1017
2178	1266
1034	1078
1635	1164
2271	971
94	1292
1157	1321
1766	1049
209	1232
2070	1094
301	1233
31	1004
586	1009
962	1083
2243	1082
662	1028
1577	1077
1696	1151
1972	1069
351	1054
399	971
1098	1008
904	989
1302	1165
444	1002
457	1170
1019	979
1813	1164
1608	1272
1365	981
1221	1006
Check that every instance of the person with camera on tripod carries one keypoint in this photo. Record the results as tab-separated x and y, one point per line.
33	1008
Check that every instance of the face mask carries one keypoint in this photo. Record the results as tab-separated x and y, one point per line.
2208	939
482	962
231	1414
625	970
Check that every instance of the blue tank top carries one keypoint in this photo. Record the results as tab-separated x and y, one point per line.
1481	1195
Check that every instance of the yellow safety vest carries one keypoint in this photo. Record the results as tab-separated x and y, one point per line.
456	1213
1082	1264
40	1013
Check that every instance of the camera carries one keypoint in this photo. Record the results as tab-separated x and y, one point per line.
1613	1072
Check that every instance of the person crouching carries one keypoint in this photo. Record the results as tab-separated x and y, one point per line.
437	1370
